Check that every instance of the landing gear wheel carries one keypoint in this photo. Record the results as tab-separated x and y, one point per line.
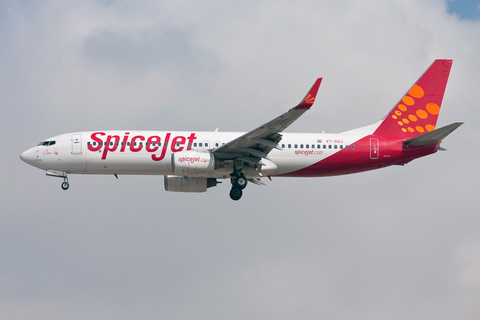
236	194
240	182
65	185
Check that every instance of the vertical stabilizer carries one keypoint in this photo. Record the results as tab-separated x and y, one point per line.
417	111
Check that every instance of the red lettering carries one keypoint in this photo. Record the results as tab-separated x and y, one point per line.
132	143
180	141
164	149
150	141
98	140
110	146
190	141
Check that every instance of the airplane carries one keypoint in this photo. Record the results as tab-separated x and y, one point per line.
193	161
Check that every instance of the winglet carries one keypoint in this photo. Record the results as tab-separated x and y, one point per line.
309	99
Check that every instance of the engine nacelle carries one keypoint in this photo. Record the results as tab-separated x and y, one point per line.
188	184
189	162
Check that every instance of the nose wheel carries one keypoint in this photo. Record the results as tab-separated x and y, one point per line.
65	183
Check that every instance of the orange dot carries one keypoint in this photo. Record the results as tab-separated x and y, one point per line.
412	118
402	107
404	130
429	127
416	92
422	114
398	113
419	129
400	123
408	101
394	117
405	121
433	108
410	129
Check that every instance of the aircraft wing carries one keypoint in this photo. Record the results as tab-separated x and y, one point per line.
256	144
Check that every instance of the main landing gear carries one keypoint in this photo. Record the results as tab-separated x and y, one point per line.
238	184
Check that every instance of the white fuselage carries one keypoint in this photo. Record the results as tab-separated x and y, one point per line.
150	152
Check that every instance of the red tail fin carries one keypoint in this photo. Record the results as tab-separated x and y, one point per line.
418	110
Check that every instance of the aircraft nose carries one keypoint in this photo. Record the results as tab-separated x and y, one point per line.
27	156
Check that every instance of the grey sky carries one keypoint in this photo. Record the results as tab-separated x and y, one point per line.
397	243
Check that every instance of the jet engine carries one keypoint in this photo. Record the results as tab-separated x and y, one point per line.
188	184
189	162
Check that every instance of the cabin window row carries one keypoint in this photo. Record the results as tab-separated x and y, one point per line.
153	144
319	146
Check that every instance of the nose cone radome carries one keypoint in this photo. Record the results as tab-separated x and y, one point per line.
27	156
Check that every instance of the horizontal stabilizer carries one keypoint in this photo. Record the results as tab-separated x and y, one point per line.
432	137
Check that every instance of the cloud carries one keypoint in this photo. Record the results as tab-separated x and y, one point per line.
392	244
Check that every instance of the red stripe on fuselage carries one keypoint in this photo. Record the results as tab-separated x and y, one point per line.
346	161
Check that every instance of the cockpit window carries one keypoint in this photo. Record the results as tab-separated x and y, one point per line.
46	143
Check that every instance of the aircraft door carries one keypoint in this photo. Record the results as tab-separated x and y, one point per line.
76	144
374	151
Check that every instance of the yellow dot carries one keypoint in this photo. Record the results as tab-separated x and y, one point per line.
405	121
412	118
429	127
402	107
394	117
433	108
404	130
419	129
400	123
398	113
416	92
408	101
410	129
422	114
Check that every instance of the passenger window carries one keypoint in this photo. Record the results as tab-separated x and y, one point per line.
216	144
301	146
116	144
195	144
199	144
206	144
128	143
318	146
283	146
88	143
178	144
352	147
140	144
307	146
335	146
341	146
296	146
289	146
329	146
346	147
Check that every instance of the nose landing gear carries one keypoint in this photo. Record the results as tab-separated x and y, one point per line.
65	183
